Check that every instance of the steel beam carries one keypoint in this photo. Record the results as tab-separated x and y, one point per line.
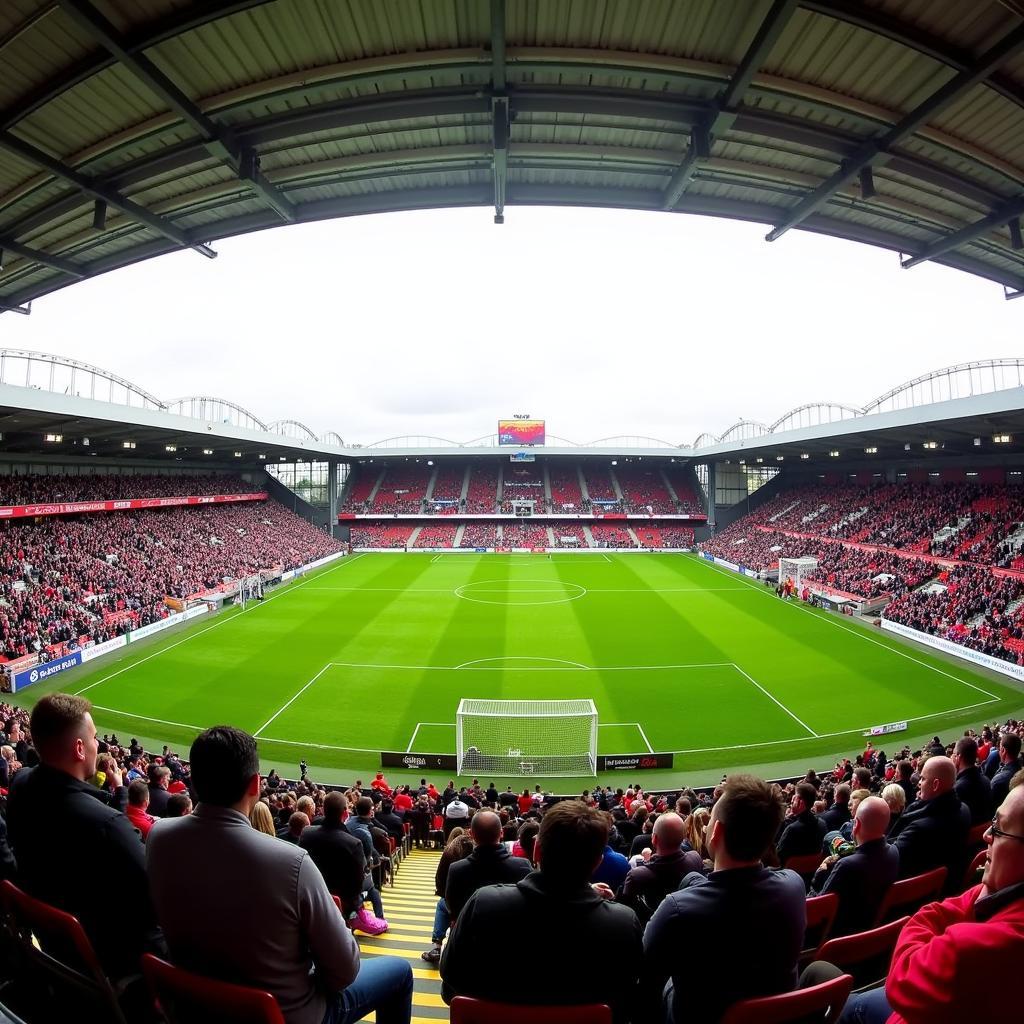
95	189
43	258
27	308
1008	212
500	114
1016	241
767	35
1010	45
216	141
1008	294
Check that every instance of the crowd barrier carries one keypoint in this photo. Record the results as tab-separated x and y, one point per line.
939	643
524	551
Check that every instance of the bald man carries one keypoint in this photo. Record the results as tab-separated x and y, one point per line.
649	883
932	832
490	863
861	878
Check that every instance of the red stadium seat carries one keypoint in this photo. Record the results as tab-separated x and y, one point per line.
187	998
865	955
821	915
970	875
466	1010
61	954
821	1004
911	894
977	835
805	865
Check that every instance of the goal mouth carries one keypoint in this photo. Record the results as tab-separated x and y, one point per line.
517	738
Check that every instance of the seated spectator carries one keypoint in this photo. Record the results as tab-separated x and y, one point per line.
456	815
650	882
76	849
490	863
159	782
613	868
839	813
954	960
388	820
219	892
860	879
262	819
297	822
803	830
179	805
1009	764
972	786
933	830
544	927
896	799
736	934
138	801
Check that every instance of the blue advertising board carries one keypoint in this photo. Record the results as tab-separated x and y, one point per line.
47	669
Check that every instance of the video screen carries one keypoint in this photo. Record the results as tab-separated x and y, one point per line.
522	432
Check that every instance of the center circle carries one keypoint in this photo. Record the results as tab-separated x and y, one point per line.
520	592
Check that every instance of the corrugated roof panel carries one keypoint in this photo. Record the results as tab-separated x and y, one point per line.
996	175
974	26
988	121
47	191
236	205
173	186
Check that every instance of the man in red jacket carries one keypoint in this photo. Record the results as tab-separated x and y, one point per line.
954	959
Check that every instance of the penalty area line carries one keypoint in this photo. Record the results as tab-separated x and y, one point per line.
774	699
287	704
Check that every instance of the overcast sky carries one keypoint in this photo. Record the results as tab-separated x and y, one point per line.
604	323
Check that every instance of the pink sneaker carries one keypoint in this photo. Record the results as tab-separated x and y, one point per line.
366	922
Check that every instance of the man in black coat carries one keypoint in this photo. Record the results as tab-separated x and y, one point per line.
972	785
76	849
839	813
1009	765
159	780
388	820
337	853
803	831
489	864
544	927
861	878
649	883
932	832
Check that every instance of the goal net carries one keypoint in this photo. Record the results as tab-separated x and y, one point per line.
526	737
250	589
796	569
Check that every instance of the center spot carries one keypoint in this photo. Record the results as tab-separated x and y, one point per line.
520	592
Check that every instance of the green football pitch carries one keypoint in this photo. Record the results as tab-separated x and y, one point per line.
375	652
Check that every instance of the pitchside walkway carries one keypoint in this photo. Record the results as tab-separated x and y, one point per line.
409	909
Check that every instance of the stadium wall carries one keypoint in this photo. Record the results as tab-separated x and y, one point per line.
938	643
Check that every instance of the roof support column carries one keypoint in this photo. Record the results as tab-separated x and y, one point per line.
712	490
332	495
500	116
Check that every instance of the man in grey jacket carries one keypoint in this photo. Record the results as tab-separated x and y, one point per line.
245	907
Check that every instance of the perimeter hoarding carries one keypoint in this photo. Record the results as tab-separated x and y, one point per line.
521	432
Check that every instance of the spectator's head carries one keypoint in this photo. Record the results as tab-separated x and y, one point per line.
683	806
965	754
307	805
842	794
159	776
895	797
904	771
1009	748
138	794
225	768
335	806
938	777
180	804
668	833
1004	865
262	818
527	837
862	778
296	823
744	821
364	807
571	842
64	734
872	820
803	798
486	828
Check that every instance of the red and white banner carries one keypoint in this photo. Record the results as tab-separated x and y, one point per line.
64	508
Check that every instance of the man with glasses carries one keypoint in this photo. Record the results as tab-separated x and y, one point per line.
953	959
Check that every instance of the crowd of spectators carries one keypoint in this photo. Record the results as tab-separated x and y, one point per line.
262	881
402	490
569	535
868	573
524	535
479	535
382	535
38	489
564	481
482	490
68	579
611	535
436	535
446	497
644	491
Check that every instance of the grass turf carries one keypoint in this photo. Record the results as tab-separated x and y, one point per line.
365	655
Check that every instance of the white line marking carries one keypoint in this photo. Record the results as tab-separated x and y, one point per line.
415	732
857	632
524	668
643	736
773	698
220	622
144	718
289	703
654	592
560	661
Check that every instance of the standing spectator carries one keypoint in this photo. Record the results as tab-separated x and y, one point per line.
159	780
740	930
1009	765
76	849
552	918
972	786
219	889
456	815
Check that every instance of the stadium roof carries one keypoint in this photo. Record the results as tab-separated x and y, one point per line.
132	129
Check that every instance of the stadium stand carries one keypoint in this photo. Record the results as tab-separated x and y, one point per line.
664	536
436	535
644	490
402	489
65	580
566	495
482	495
37	489
599	485
681	481
524	535
446	498
569	535
523	483
479	535
608	535
381	535
365	479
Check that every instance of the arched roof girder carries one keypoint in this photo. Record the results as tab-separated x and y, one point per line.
332	437
291	428
814	417
744	429
208	407
631	440
960	380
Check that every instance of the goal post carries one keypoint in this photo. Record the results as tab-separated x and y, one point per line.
250	588
526	737
796	569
